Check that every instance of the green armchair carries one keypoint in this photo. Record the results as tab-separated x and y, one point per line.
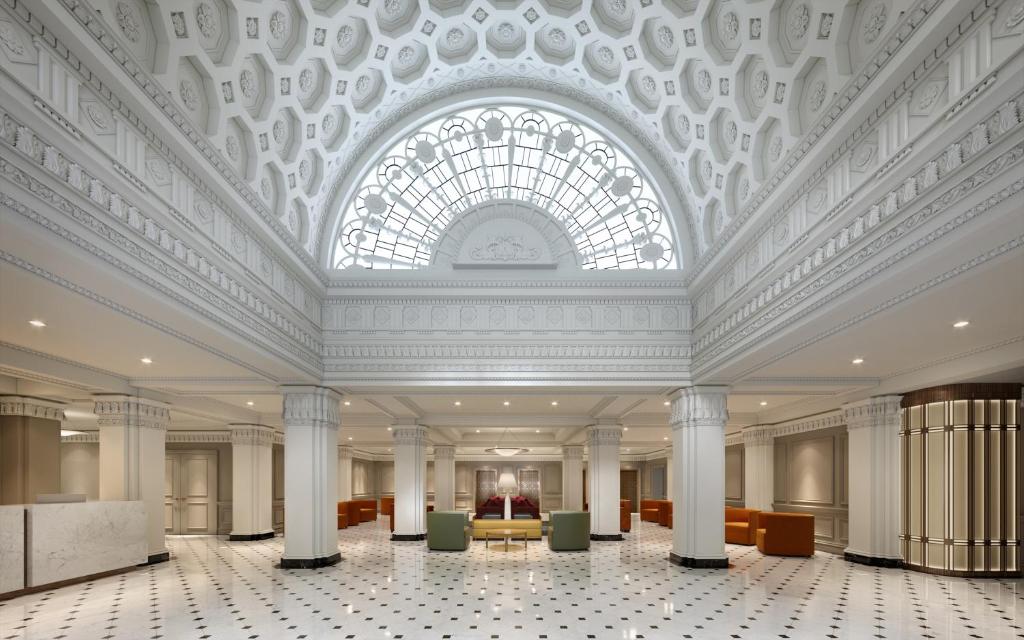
569	531
448	530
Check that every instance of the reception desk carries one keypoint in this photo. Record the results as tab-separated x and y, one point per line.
66	542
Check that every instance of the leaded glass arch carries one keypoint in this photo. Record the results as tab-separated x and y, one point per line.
454	164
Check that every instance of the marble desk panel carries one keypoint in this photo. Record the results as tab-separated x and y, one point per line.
68	541
12	548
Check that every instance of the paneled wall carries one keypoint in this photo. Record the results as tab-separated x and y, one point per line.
277	508
225	487
80	468
550	481
654	479
811	477
734	461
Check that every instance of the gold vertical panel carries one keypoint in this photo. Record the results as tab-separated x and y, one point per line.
995	413
935	489
916	416
936	552
936	414
995	485
995	557
979	558
960	503
1012	412
960	555
916	553
1012	471
959	412
978	472
914	485
979	412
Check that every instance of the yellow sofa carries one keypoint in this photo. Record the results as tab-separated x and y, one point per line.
532	527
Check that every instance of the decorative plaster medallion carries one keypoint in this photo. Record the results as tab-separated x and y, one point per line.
278	26
203	210
817	96
743	190
760	85
704	83
328	124
189	95
206	20
178	23
929	95
265	188
279	131
247	82
775	149
128	22
232	147
729	26
306	80
158	170
98	116
799	19
665	37
874	22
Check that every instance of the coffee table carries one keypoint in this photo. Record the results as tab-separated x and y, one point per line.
506	534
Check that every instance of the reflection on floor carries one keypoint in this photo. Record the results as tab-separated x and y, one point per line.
212	588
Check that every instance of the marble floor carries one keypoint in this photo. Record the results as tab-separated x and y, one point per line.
213	588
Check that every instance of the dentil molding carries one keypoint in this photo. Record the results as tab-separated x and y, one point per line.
31	407
880	411
131	411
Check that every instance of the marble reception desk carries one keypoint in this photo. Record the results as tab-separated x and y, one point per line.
12	548
66	541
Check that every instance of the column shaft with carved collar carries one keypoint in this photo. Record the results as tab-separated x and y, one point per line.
603	480
344	473
758	468
572	477
698	422
133	432
252	478
874	483
311	420
410	481
444	477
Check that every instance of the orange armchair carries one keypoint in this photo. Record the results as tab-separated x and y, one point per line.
342	515
741	525
649	510
665	513
625	515
785	534
387	505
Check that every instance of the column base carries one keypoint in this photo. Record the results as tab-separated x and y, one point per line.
872	561
250	536
157	558
699	563
606	537
408	537
310	563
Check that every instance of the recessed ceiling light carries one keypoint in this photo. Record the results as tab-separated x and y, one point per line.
536	430
69	432
956	325
665	438
458	403
858	361
666	403
350	437
625	428
348	404
37	323
478	431
627	450
147	361
506	403
250	403
389	428
554	403
764	404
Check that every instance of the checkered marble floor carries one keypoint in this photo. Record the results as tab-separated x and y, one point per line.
213	588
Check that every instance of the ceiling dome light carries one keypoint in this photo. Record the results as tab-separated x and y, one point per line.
250	403
554	403
39	324
146	361
348	404
458	403
504	449
666	403
960	324
858	361
764	404
506	403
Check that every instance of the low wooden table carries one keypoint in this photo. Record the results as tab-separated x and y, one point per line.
506	534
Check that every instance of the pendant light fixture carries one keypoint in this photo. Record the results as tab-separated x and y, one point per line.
506	449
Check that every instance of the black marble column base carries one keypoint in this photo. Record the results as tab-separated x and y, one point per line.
699	563
871	561
310	563
157	558
408	537
251	536
606	537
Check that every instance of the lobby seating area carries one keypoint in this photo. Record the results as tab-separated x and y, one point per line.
448	530
569	531
740	525
354	512
785	534
531	526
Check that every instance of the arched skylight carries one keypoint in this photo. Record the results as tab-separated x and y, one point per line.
457	163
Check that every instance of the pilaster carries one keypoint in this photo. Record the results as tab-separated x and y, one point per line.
444	477
344	473
603	479
572	477
251	482
759	467
410	449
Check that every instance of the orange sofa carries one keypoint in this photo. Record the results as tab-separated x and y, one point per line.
359	511
342	515
649	510
625	515
785	534
387	505
741	525
665	513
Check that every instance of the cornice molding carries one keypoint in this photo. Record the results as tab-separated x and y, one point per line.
199	437
30	407
86	437
811	423
758	435
252	435
130	412
877	412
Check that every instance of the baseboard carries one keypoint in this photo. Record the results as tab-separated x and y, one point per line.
871	561
236	537
606	537
408	537
157	558
699	563
310	563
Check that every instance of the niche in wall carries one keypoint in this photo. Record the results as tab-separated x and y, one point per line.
811	477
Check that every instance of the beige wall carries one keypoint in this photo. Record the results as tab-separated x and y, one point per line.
734	462
29	458
811	477
80	468
651	469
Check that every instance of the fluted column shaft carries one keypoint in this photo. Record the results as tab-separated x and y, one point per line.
344	473
572	477
758	468
252	479
603	481
410	450
444	477
698	422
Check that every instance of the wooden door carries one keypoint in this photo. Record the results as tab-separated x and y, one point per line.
190	503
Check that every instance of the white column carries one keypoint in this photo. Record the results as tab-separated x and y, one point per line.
698	422
668	475
603	480
344	473
874	481
252	482
444	477
311	420
572	477
133	433
410	481
758	468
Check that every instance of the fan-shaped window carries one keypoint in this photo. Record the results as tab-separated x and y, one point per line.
454	164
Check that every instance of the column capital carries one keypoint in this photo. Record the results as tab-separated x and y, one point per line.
308	404
252	434
572	451
698	406
344	452
123	411
758	435
604	434
31	407
877	411
444	452
409	434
